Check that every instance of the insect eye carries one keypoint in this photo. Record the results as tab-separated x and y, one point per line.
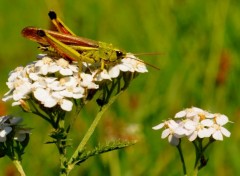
119	53
41	33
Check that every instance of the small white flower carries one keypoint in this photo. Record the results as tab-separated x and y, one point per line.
221	119
128	64
19	89
15	74
68	87
45	97
65	68
172	130
102	75
197	129
189	112
217	129
46	65
218	132
33	72
138	65
86	81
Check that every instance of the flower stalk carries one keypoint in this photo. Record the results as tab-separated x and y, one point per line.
18	165
182	158
91	130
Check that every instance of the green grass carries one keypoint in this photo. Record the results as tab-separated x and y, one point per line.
199	42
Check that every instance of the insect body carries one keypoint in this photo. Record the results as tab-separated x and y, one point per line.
65	43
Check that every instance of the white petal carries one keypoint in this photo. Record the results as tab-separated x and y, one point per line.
195	118
225	132
180	114
53	68
18	95
172	124
40	94
16	103
207	122
165	133
204	133
196	109
114	71
7	97
65	72
222	119
66	93
193	112
159	126
141	68
50	102
173	140
104	74
40	56
56	95
211	130
34	76
193	136
190	125
93	86
78	96
218	135
66	105
44	69
124	68
189	132
5	131
179	131
210	115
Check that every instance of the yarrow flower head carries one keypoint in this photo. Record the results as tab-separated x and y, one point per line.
10	124
194	123
57	82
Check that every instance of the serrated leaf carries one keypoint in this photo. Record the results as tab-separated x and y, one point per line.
100	149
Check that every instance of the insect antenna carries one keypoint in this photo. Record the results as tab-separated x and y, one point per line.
141	54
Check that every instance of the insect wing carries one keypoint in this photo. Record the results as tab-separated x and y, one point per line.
32	34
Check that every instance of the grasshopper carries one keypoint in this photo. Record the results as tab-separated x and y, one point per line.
65	43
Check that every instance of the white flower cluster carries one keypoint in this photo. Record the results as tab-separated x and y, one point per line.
194	123
6	126
56	82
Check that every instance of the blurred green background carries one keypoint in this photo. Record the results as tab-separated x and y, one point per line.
199	66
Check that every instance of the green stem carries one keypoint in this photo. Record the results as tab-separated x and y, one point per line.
200	160
195	172
61	145
19	167
209	142
197	153
90	131
182	158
